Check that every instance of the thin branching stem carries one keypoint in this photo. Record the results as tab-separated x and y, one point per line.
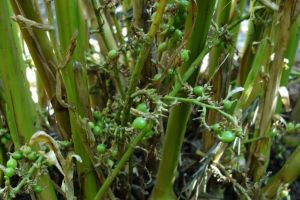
198	103
144	52
108	181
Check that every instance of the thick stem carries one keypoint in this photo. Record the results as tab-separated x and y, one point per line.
52	34
255	32
42	54
279	33
70	21
253	75
286	175
163	188
175	131
20	113
138	7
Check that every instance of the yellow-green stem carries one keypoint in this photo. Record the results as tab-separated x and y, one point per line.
41	52
287	174
70	20
279	34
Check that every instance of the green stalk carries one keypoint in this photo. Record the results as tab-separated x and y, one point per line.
104	29
140	23
198	60
52	34
193	68
90	17
27	177
291	50
286	175
253	76
97	97
144	52
19	110
219	82
254	34
69	21
109	42
236	13
120	37
108	181
279	34
290	56
173	139
222	18
16	87
138	6
38	44
44	59
108	20
42	96
201	104
163	188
